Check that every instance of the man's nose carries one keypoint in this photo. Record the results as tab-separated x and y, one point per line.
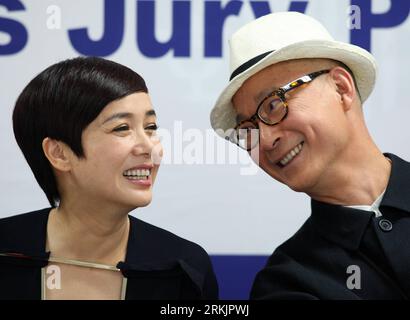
269	136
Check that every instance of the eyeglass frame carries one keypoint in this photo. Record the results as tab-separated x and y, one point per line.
280	93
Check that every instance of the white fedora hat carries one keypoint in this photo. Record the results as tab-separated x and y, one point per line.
280	37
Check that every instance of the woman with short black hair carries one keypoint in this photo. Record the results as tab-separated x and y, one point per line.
87	129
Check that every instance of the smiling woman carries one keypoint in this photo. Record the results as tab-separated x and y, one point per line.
87	129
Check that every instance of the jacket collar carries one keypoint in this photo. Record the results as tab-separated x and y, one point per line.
143	253
25	240
346	226
144	256
398	189
32	246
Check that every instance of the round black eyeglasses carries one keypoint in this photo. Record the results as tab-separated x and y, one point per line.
272	110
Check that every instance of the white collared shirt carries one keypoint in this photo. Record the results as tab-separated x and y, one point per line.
374	207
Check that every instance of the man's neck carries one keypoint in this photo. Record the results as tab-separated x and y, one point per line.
356	182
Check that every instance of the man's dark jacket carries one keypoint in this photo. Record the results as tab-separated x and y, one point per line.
345	253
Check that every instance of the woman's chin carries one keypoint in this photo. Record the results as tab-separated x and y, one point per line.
142	202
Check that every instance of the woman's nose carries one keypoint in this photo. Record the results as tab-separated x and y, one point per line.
144	143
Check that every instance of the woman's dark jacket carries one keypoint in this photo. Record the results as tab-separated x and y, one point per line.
158	264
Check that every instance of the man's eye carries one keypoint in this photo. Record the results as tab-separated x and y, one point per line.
273	105
122	128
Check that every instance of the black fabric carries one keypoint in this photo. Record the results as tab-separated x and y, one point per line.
248	64
158	264
313	263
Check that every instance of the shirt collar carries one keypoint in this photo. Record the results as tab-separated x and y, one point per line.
374	207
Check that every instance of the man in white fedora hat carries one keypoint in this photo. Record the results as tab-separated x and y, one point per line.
294	101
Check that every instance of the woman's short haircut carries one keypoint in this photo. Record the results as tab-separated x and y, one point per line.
60	103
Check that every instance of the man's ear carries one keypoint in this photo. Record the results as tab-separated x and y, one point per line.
345	86
58	153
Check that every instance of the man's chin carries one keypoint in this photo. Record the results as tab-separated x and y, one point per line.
297	186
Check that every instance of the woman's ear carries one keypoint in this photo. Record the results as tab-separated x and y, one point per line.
57	153
345	86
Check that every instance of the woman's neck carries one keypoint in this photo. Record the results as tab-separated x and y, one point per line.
88	234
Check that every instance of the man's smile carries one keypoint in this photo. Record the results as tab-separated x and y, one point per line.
290	155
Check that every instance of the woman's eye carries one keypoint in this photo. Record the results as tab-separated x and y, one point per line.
121	128
152	127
